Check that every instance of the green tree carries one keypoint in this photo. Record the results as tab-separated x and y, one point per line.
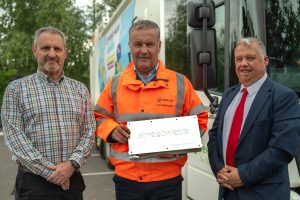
94	14
19	19
96	10
113	4
283	24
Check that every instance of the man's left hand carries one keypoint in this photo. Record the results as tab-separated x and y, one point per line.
61	172
65	185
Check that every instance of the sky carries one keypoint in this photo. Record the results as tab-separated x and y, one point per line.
83	3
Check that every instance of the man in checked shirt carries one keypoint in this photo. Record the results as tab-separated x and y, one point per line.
48	124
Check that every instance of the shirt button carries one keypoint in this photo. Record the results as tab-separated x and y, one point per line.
141	178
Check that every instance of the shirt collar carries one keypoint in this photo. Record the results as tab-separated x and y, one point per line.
48	79
153	70
253	89
150	76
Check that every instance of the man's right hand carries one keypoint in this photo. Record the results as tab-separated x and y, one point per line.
121	133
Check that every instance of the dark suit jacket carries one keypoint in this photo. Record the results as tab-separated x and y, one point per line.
268	141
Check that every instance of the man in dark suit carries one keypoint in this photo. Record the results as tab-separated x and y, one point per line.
256	132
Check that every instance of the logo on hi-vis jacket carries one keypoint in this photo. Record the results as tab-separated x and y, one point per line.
164	102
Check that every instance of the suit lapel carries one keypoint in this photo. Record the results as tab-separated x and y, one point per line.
226	102
261	97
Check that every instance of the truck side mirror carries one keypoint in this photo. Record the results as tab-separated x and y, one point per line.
201	17
198	58
197	12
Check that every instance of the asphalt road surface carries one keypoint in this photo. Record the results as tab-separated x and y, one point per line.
97	176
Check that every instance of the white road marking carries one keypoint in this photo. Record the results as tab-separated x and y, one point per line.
95	154
97	173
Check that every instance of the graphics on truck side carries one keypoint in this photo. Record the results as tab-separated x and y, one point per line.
113	50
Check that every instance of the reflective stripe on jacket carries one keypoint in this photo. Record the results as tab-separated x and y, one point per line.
126	98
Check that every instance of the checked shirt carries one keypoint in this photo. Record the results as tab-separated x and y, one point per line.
46	123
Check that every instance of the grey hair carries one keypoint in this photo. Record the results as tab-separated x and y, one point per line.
252	40
145	24
49	29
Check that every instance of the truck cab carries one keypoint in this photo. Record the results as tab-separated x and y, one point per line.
275	22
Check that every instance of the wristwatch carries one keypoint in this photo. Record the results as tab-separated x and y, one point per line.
75	164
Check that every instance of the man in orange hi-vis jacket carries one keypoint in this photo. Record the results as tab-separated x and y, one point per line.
146	89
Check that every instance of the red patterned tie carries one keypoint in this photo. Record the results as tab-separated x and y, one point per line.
235	130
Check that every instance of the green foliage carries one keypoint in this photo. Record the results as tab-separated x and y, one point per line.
19	19
283	24
94	14
96	11
113	4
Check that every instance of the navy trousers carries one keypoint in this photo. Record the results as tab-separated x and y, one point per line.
170	189
29	186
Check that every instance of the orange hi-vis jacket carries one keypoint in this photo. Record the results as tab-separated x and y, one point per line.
126	98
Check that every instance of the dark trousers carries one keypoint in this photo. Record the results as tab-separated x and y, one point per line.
231	195
29	186
160	190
